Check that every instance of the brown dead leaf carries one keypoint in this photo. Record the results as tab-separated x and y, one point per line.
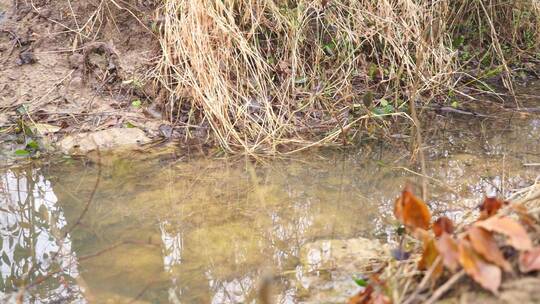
517	235
530	260
442	225
483	243
490	206
484	273
412	211
429	260
429	254
448	249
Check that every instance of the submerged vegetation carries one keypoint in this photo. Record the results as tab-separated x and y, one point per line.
262	74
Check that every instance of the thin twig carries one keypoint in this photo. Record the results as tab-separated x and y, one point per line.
424	281
445	287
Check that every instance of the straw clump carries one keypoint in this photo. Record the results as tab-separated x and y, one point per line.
262	75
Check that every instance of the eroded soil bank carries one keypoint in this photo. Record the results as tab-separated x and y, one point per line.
57	80
69	70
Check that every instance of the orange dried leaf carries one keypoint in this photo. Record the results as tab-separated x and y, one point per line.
490	206
517	235
363	297
484	273
412	211
448	249
530	260
483	243
442	225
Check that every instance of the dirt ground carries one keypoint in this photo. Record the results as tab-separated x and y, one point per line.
77	65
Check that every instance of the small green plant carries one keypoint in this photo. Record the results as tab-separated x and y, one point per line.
384	107
31	148
360	281
136	103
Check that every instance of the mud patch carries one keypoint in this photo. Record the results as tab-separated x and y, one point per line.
78	67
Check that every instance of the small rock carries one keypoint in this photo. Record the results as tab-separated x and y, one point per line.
165	130
328	267
340	253
106	140
26	57
43	129
76	81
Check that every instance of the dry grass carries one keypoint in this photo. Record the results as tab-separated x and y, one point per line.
265	74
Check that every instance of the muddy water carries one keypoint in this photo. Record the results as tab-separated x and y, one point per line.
170	229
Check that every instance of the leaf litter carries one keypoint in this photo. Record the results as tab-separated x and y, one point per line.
483	250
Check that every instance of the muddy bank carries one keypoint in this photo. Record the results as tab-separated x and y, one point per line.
87	67
76	68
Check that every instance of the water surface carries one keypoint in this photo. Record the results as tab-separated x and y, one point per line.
164	228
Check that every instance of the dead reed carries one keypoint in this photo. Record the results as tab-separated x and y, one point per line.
267	74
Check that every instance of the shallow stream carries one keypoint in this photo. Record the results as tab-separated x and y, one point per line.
164	228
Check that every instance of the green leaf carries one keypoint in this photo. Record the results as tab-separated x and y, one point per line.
458	41
136	103
373	70
5	258
329	48
368	99
400	230
129	125
360	282
455	104
378	110
493	72
32	145
388	109
383	102
22	152
19	253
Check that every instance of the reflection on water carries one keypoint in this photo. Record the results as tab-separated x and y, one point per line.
202	231
32	244
207	231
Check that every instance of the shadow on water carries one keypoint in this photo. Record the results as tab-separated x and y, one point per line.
161	229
